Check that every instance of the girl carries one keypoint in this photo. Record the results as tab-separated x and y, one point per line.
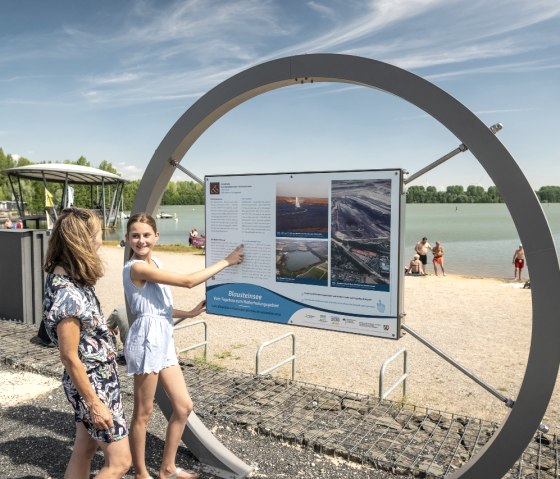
74	322
150	350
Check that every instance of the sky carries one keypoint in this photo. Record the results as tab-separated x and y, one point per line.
108	79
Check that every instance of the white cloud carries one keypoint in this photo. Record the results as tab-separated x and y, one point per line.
131	172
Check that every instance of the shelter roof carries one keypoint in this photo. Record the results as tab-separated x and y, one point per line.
61	172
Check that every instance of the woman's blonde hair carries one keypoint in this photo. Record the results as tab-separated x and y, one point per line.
72	246
140	218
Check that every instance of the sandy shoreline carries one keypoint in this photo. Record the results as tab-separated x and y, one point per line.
484	324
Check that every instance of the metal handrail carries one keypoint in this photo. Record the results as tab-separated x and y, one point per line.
198	345
292	358
401	379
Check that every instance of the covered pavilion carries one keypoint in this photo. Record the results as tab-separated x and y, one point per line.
107	200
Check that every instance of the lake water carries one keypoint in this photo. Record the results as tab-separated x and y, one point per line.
300	259
479	239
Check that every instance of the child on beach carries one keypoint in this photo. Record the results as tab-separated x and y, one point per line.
75	323
149	349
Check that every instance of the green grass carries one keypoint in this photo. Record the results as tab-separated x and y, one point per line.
223	355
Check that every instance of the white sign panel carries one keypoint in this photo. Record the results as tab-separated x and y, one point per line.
321	249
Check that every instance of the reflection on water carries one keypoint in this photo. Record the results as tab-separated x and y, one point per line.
296	260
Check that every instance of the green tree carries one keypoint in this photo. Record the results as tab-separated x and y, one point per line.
129	194
106	166
416	194
494	195
6	161
549	194
170	195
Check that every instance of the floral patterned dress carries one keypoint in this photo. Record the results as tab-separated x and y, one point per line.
96	349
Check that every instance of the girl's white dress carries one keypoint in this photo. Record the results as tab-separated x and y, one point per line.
149	346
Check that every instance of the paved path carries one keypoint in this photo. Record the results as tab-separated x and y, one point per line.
282	428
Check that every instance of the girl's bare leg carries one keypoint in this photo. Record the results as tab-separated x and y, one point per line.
144	393
174	385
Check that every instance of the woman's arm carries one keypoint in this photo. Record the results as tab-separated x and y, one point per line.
142	271
68	331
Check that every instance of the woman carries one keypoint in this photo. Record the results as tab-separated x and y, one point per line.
150	350
75	323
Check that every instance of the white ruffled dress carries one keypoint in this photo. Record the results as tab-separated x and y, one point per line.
149	346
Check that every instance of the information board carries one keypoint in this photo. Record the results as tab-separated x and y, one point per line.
321	249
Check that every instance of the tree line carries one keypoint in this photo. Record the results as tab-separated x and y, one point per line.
33	192
473	194
192	193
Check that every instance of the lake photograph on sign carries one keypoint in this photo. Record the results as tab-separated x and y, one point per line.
302	209
302	261
321	249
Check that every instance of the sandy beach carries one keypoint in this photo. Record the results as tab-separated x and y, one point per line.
484	324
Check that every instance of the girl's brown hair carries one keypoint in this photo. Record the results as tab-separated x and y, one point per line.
140	218
71	246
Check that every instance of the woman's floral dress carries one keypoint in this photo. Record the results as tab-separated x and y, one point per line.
96	349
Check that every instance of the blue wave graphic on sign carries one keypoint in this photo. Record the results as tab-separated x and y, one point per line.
255	302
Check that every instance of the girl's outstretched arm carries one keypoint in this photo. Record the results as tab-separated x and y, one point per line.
142	271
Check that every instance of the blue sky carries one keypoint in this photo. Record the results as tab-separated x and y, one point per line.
108	79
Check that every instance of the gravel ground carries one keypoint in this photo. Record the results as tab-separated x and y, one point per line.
37	437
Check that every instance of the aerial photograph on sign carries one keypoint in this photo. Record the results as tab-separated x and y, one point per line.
361	233
302	261
302	209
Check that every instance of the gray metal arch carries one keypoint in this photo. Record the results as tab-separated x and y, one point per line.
500	453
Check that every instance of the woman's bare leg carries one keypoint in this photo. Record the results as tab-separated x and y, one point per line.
117	459
82	454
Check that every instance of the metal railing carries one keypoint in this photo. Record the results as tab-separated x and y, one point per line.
402	379
292	358
198	345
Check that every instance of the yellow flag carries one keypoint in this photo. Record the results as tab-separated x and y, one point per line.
48	199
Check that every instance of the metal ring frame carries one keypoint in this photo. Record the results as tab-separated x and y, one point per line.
508	443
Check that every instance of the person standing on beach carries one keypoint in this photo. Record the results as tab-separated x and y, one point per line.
438	251
519	262
421	249
74	322
149	349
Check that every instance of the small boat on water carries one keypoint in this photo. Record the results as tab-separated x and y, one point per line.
165	216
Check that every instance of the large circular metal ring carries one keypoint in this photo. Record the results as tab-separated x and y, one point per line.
509	442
